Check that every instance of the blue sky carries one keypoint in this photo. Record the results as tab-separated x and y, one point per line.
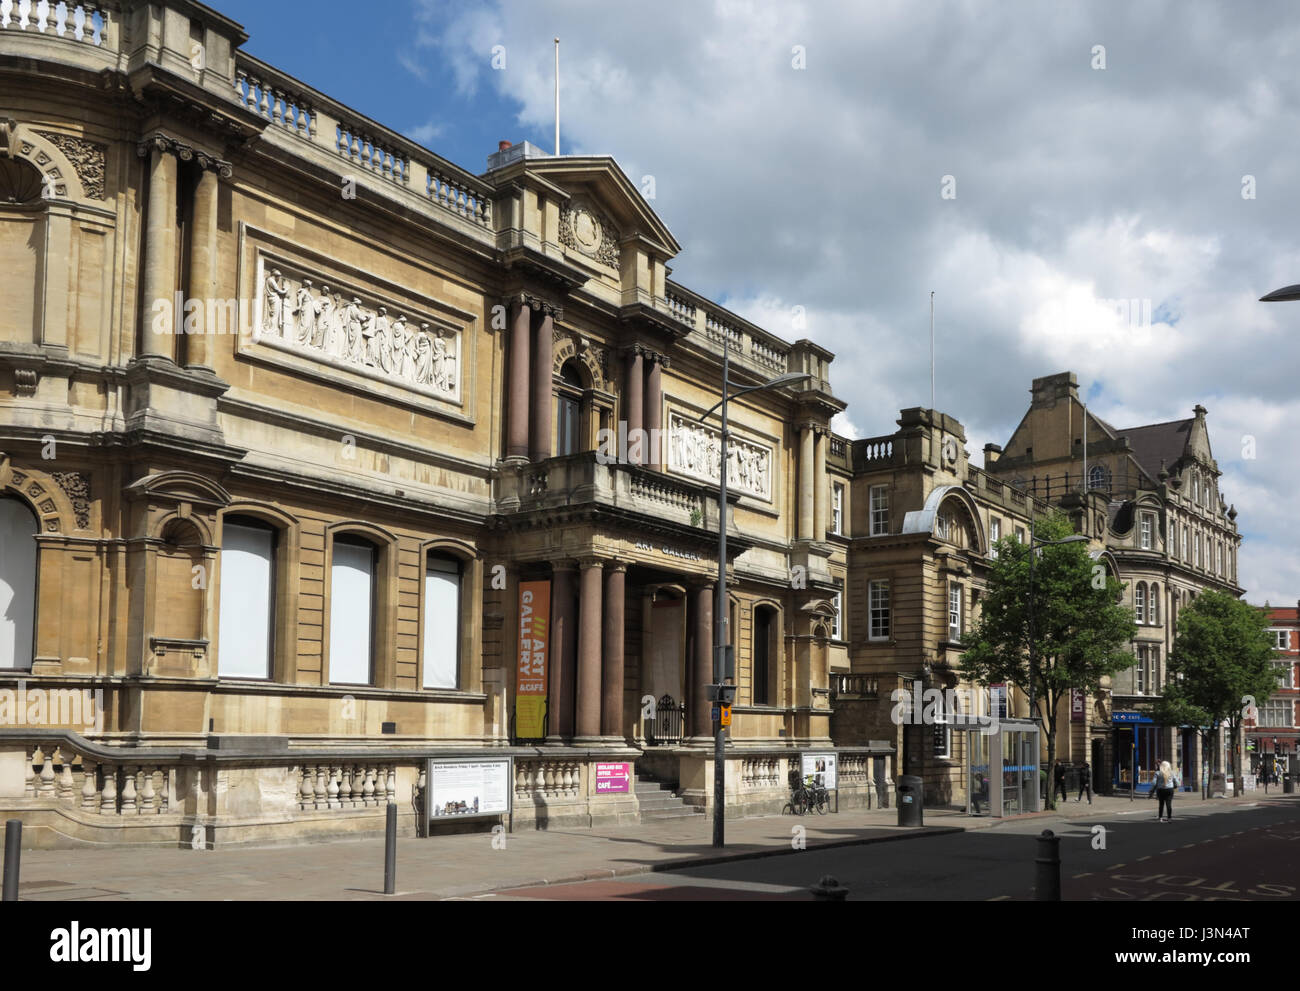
1080	180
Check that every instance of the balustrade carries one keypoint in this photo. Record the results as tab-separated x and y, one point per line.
281	106
472	204
548	779
86	23
339	787
681	309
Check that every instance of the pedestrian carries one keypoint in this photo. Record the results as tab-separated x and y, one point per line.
1059	782
1085	781
1164	785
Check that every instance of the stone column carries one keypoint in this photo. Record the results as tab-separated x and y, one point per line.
654	402
160	248
821	486
590	618
806	509
203	255
611	700
634	405
702	661
563	652
517	425
543	356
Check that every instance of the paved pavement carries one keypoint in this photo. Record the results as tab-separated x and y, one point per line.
474	864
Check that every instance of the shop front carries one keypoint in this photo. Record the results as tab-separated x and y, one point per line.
1135	739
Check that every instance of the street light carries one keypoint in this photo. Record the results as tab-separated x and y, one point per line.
720	650
1034	542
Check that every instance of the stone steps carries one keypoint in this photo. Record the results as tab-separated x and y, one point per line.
659	802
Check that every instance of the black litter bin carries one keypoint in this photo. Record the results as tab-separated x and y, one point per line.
1288	784
911	800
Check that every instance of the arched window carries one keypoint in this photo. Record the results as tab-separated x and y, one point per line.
20	182
1140	602
568	423
352	611
761	656
442	602
1097	477
245	644
18	528
1153	604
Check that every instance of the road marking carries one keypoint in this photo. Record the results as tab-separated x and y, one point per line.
1001	898
1140	859
1084	874
1115	867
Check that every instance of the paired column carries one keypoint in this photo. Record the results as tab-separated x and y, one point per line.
517	422
806	482
563	654
821	486
203	257
160	246
589	644
654	409
611	702
634	405
701	660
543	358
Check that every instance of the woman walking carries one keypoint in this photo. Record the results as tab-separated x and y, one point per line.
1165	783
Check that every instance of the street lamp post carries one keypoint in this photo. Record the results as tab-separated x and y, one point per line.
720	650
1034	542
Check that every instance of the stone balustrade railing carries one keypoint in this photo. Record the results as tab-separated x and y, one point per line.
719	330
877	449
548	779
328	787
84	23
767	355
760	772
358	143
63	775
682	309
854	770
665	492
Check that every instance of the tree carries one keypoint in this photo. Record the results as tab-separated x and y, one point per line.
1220	665
1080	631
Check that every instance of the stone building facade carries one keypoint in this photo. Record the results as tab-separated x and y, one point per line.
295	414
1274	734
1152	500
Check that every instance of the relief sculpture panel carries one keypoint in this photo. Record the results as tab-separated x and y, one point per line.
354	330
696	450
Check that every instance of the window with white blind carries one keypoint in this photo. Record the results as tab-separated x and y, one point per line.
18	528
837	508
1281	639
352	612
246	629
995	534
879	510
837	624
878	606
954	611
1153	604
1147	530
442	585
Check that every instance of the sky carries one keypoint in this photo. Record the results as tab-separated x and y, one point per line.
1103	187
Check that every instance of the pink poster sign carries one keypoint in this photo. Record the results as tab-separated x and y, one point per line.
613	779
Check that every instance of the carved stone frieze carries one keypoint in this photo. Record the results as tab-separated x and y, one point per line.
696	450
351	329
87	157
585	230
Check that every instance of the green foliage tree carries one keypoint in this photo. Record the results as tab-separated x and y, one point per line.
1080	631
1219	666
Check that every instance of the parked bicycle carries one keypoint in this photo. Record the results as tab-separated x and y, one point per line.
809	797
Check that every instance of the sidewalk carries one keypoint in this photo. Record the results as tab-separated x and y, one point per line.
468	864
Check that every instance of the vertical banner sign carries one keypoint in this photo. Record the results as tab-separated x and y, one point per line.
1077	702
534	648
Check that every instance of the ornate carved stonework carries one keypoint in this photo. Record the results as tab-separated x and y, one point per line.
586	231
87	157
695	450
77	489
353	330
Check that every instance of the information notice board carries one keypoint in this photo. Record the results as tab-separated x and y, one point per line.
468	788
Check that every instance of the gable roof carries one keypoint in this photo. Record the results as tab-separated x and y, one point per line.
1157	442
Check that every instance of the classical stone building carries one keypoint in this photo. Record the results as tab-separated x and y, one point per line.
303	425
1152	499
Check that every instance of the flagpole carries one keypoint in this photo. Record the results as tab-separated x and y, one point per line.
932	349
557	97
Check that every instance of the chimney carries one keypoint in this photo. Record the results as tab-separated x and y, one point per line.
991	454
1051	389
502	145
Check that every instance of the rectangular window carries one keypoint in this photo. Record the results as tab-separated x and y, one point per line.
837	508
1140	603
1285	672
943	527
352	606
837	624
954	611
942	734
441	622
1277	713
246	629
1281	639
1148	525
1183	555
1020	535
878	595
1140	672
879	510
1196	547
995	534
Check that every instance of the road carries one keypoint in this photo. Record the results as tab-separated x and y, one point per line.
1207	853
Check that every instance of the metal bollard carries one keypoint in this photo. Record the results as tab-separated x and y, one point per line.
829	890
390	851
13	854
1047	887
